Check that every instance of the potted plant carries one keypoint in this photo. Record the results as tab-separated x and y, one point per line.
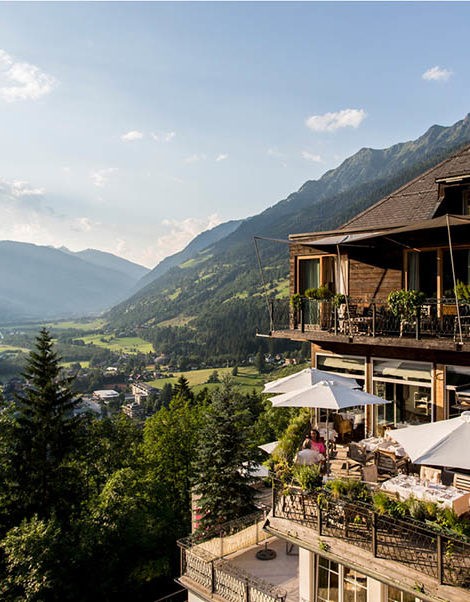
405	305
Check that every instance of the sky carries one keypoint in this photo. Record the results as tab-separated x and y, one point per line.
132	127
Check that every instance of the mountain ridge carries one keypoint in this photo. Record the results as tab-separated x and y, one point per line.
213	308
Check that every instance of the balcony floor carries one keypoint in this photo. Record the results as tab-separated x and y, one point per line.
282	571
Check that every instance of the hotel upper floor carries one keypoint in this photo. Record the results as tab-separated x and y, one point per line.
416	239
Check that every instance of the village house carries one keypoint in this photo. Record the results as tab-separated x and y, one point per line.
384	300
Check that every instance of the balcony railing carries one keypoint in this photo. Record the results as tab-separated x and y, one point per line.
203	564
409	542
435	318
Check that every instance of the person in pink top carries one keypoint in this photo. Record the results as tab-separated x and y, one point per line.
316	443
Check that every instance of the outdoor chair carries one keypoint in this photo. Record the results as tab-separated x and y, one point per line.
389	463
370	474
357	456
462	481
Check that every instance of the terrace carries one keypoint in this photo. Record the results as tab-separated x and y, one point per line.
438	324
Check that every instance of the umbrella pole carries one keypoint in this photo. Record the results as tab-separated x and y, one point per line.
327	443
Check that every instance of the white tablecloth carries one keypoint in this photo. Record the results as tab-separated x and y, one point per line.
406	486
373	443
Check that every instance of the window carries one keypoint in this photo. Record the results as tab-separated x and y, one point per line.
309	274
396	595
343	364
466	202
354	586
327	580
408	386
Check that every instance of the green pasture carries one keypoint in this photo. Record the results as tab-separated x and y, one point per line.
118	344
247	379
12	349
96	324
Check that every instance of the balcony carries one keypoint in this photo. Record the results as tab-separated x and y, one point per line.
407	550
224	565
370	322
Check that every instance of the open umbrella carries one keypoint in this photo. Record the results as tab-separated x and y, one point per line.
306	378
328	395
442	443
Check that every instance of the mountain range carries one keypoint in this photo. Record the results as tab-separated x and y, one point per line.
206	301
210	305
40	282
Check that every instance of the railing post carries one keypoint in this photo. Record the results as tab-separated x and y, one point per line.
271	315
374	534
247	591
320	520
440	558
302	315
212	577
374	317
273	493
335	320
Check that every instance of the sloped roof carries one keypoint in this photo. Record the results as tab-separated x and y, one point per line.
415	201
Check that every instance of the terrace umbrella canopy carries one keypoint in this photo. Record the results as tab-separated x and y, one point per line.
327	395
442	443
307	378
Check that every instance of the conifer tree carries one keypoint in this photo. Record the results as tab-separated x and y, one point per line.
223	458
46	432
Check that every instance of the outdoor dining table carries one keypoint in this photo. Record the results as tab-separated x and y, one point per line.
371	444
406	486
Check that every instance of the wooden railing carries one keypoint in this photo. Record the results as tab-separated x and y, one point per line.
435	554
202	562
435	318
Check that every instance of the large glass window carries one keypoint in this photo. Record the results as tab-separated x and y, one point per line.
407	385
354	586
422	272
327	580
396	595
458	389
309	274
462	270
354	367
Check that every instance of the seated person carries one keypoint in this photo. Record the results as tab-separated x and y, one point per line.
316	443
307	455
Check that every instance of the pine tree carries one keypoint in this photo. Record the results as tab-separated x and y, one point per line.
46	432
224	453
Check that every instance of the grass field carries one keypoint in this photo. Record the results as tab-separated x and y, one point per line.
83	364
124	344
79	325
12	348
247	379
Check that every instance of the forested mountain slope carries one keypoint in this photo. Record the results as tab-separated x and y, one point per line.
210	307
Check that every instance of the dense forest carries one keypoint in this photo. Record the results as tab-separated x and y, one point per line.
92	508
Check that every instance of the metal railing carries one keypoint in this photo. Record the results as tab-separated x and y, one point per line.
209	570
435	318
409	542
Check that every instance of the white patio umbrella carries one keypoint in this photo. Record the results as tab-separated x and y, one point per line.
328	395
306	378
269	447
442	443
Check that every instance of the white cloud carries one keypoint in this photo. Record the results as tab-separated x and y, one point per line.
100	177
180	233
131	136
330	122
195	158
273	151
437	74
22	81
311	157
163	136
221	157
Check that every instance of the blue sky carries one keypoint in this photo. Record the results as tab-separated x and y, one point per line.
131	127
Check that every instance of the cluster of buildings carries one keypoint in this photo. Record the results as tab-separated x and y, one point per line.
411	349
